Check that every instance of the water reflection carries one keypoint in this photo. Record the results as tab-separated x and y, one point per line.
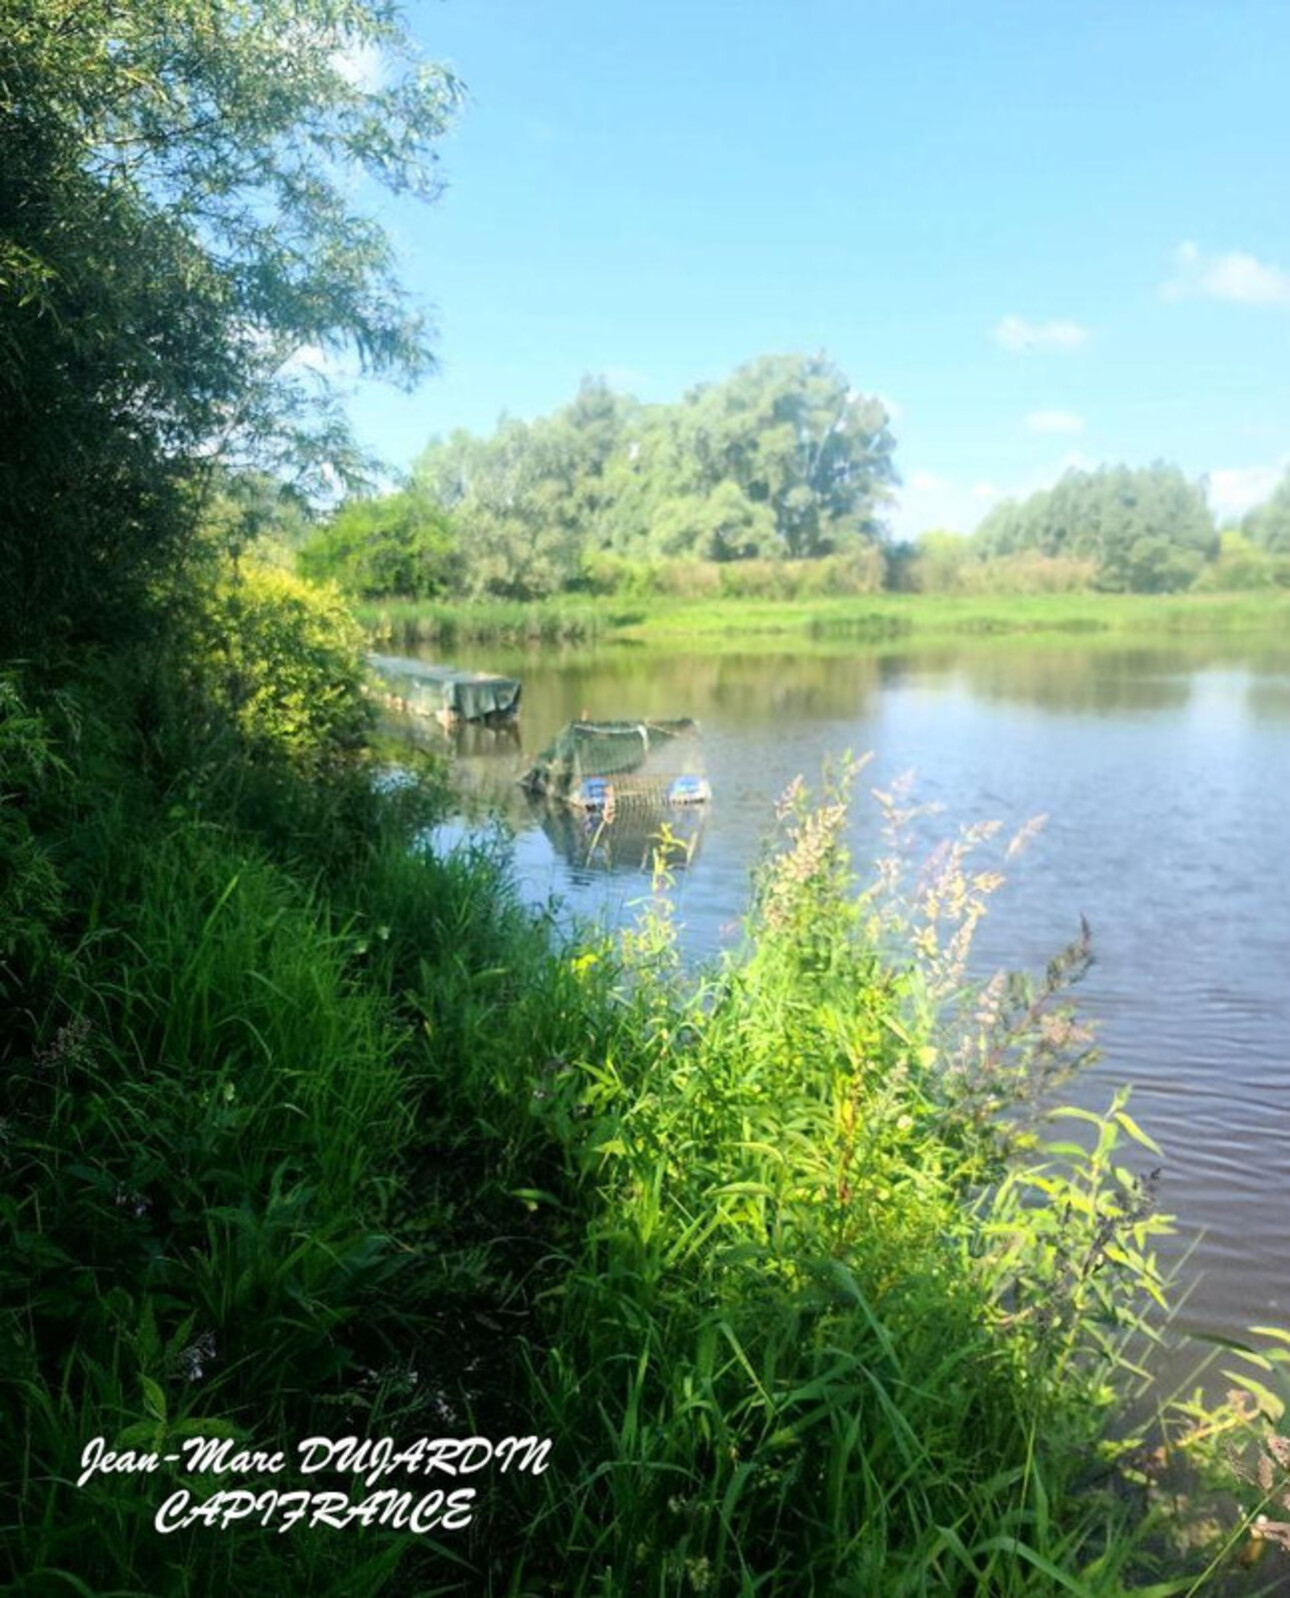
1269	698
1081	681
634	840
757	686
486	761
625	683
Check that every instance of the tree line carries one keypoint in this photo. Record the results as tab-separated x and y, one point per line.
1117	529
782	460
736	485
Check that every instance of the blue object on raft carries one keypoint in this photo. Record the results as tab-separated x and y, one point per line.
594	793
689	791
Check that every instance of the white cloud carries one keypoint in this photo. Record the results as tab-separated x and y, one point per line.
1237	277
1024	338
925	482
1055	422
984	491
1233	490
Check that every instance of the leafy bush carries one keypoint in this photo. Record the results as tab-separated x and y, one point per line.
1243	566
819	1332
284	660
944	563
401	546
860	571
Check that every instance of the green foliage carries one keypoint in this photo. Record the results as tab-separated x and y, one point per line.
249	1181
526	501
1268	525
947	563
399	546
405	624
801	1336
332	1139
792	435
31	894
1242	565
283	660
1147	530
684	577
176	229
251	512
781	461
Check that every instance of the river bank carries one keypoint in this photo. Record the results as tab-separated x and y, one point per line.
405	624
311	1133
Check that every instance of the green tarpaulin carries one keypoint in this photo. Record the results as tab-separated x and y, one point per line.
445	691
593	763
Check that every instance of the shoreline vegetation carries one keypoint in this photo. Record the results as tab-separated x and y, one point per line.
881	619
307	1133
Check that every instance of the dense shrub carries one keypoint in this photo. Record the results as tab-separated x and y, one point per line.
401	546
31	891
945	563
1243	566
858	572
284	660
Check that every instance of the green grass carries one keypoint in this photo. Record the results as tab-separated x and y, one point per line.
307	1133
404	623
874	619
882	617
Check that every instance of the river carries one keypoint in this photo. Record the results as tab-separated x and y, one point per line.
1164	773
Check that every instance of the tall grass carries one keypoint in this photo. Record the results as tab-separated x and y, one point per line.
933	616
801	1335
307	1132
406	624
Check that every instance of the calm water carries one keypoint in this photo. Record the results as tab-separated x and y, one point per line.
1165	775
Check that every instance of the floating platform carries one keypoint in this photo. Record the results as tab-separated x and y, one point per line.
446	693
637	839
600	766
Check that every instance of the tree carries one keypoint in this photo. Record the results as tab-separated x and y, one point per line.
399	545
1147	529
514	502
176	227
792	434
1268	525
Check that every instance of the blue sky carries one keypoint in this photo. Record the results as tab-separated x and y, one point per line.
1047	234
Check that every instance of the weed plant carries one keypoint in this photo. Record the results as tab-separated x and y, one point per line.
819	1334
